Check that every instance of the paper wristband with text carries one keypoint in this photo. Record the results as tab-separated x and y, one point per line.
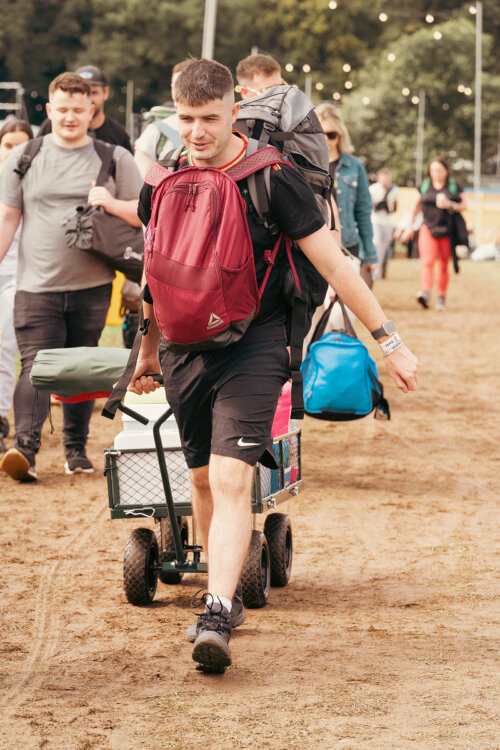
391	344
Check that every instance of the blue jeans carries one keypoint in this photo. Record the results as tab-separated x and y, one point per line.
54	320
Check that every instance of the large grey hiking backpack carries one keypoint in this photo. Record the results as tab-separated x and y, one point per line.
284	117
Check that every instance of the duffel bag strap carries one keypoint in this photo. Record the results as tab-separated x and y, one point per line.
118	392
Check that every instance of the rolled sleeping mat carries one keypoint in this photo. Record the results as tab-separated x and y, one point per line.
78	373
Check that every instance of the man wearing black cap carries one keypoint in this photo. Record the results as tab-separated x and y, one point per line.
101	127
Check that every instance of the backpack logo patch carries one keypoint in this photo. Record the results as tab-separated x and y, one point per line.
214	321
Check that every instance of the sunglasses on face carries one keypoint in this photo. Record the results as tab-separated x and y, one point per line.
331	135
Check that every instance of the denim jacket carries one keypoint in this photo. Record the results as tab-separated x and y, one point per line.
355	207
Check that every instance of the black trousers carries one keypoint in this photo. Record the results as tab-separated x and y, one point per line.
54	320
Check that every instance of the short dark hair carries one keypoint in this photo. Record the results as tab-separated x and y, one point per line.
72	83
257	65
202	81
16	126
181	66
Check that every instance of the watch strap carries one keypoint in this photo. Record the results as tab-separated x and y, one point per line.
379	332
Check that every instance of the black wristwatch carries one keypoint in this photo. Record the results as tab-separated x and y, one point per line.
387	329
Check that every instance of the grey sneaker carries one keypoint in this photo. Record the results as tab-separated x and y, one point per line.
441	303
423	298
77	461
18	466
237	615
211	647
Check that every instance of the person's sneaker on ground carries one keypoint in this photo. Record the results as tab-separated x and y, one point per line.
18	466
77	461
4	426
423	298
4	431
211	647
237	615
441	303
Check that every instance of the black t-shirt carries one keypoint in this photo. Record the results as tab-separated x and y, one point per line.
296	212
438	219
109	132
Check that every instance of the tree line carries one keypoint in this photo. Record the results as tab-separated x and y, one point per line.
366	55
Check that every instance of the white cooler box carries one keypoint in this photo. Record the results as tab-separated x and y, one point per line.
134	481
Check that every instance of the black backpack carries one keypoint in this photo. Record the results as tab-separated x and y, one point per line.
284	117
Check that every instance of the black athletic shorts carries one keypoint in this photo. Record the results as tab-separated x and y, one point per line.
224	400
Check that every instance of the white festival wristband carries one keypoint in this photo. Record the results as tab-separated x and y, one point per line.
390	346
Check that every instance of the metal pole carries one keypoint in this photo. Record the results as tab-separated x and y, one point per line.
420	137
207	47
498	153
308	85
477	122
129	109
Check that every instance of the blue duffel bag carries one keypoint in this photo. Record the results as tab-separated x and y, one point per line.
340	378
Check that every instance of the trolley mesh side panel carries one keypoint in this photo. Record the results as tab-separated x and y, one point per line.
140	480
272	481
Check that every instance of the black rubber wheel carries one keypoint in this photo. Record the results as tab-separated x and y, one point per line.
256	574
278	531
139	574
171	577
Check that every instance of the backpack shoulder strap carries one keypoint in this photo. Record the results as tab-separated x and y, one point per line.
156	175
256	168
159	170
255	162
169	132
105	152
24	162
452	186
424	187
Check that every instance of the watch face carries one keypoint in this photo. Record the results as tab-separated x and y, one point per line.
389	327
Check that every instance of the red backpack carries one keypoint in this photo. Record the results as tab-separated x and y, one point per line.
199	261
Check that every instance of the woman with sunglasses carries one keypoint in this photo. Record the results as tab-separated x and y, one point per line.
351	191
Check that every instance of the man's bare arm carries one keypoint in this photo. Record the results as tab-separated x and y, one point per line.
9	222
144	162
126	210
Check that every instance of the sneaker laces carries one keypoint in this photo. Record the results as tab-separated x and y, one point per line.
211	618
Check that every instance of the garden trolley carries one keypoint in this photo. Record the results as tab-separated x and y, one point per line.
147	477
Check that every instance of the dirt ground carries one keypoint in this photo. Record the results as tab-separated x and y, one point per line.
387	635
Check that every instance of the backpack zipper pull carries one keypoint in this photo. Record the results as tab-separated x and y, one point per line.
191	200
188	202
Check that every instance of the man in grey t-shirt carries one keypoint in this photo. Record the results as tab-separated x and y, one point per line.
62	295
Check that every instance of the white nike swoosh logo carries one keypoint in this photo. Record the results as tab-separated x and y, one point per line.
242	443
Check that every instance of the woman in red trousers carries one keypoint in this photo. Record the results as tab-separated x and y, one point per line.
439	197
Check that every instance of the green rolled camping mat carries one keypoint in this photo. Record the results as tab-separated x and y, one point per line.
80	372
